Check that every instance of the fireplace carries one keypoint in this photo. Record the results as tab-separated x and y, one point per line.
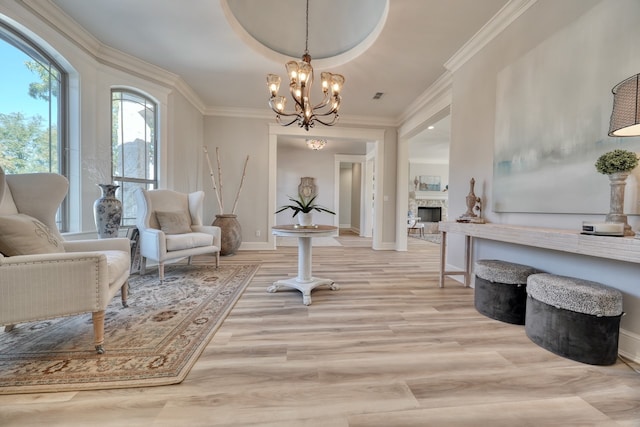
430	213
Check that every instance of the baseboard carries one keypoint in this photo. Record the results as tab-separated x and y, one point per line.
256	246
458	277
629	345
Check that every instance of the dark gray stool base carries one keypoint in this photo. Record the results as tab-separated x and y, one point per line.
501	301
577	336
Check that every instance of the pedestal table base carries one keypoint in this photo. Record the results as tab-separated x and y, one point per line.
304	282
304	287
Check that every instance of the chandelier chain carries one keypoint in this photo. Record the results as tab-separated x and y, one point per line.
300	80
306	39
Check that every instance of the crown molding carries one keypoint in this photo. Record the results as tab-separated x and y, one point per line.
266	114
64	25
246	113
501	20
131	64
369	121
441	87
440	91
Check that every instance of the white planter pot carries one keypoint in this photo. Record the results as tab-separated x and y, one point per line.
305	219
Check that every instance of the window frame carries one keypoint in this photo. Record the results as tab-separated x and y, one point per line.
32	49
149	184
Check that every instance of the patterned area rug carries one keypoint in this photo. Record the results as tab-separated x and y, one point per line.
155	341
433	238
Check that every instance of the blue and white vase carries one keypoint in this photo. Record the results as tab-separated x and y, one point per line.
107	211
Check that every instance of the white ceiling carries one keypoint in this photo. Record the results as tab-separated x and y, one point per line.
432	144
203	43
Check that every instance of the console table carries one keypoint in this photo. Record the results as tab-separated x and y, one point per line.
305	282
572	241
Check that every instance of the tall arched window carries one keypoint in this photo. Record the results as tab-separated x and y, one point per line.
33	106
134	147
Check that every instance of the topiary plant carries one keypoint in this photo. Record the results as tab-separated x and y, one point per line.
616	161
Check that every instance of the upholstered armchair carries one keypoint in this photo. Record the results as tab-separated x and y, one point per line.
170	227
43	276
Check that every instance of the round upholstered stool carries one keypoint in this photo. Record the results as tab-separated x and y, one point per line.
500	290
574	318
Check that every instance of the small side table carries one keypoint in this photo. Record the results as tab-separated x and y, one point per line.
305	282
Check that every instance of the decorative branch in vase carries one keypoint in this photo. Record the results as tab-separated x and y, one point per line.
231	232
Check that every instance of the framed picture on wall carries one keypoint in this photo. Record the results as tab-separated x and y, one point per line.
429	183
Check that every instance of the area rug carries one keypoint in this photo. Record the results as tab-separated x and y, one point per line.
155	341
433	238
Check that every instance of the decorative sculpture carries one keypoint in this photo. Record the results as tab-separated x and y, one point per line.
474	203
307	187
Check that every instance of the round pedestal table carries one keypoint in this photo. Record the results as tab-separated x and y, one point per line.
304	282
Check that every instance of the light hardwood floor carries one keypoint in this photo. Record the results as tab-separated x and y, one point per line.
389	348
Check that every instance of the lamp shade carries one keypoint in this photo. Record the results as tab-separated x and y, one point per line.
625	118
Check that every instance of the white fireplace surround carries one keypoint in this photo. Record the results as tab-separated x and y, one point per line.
428	202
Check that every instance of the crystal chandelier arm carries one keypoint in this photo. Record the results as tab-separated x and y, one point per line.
282	113
324	102
280	122
327	123
335	106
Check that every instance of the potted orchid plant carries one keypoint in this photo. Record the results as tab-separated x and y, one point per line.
305	207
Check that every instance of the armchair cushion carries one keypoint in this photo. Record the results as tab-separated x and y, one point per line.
22	234
174	222
178	242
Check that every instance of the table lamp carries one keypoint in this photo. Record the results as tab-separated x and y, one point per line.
625	117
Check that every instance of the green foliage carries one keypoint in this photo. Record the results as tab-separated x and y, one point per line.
617	161
304	205
24	144
47	86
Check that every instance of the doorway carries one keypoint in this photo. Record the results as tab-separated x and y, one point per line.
372	136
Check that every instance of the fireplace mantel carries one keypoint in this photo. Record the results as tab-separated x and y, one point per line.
431	195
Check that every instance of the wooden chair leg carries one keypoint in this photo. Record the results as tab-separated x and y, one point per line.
98	330
161	271
9	328
124	292
217	259
189	260
143	265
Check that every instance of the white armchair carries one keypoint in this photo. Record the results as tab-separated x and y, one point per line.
42	276
170	227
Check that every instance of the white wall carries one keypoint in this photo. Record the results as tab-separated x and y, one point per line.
473	119
346	178
237	138
295	163
356	196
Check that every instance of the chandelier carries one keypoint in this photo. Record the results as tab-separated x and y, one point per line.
316	144
300	81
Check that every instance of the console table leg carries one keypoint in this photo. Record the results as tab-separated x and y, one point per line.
467	261
443	254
